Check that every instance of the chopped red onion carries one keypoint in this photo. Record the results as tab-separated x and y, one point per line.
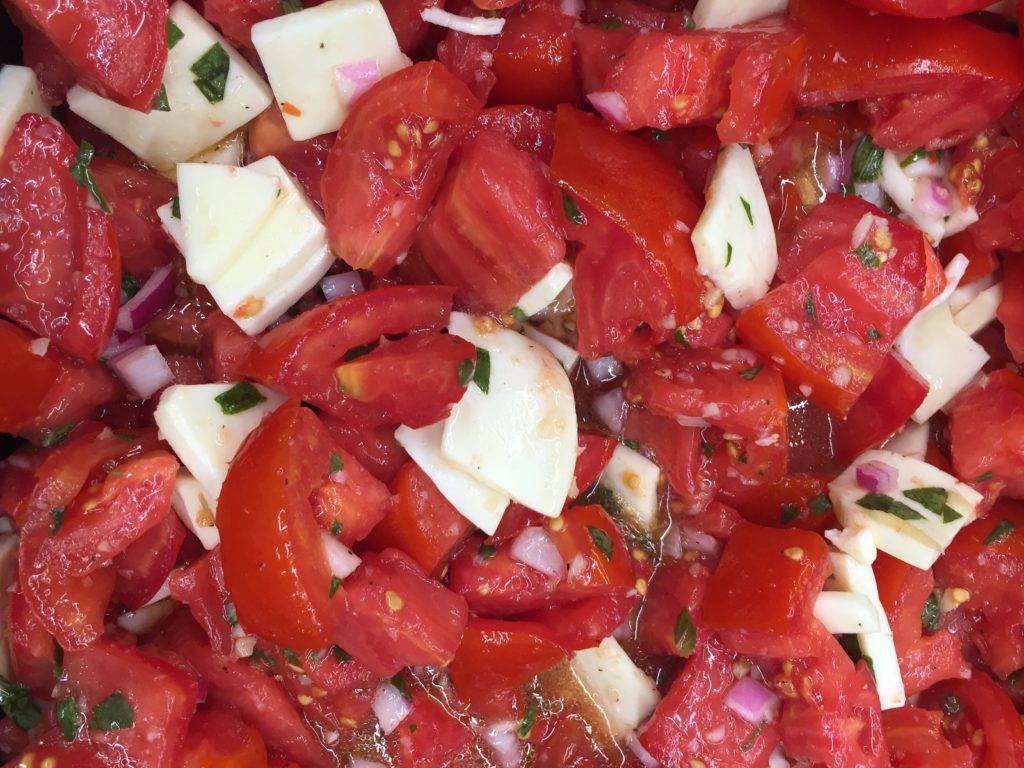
752	701
154	296
862	230
202	690
390	707
877	476
610	408
692	421
533	547
934	198
642	754
142	370
572	8
470	25
339	557
604	368
121	342
355	79
610	104
503	740
701	542
345	284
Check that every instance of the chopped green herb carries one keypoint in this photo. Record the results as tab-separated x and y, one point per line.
790	512
746	209
176	208
871	665
174	33
239	398
742	458
128	437
529	720
336	463
708	449
867	161
930	613
398	681
744	145
874	334
57	514
751	373
680	337
160	102
56	436
335	528
882	503
728	254
482	371
211	71
913	157
612	24
340	654
335	583
466	372
291	657
951	705
685	633
114	713
412	727
820	504
810	308
83	176
518	315
1000	532
290	6
67	717
632	444
934	499
355	352
129	285
747	745
58	661
867	256
17	703
658	134
261	655
983	478
487	551
606	498
688	22
230	613
602	541
572	211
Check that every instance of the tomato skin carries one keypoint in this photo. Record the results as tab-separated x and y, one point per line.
492	232
436	739
420	522
225	347
596	452
533	63
497	585
353	499
146	563
372	443
32	647
74	396
117	49
796	490
758	586
916	740
409	27
235	18
675	586
305	160
985	431
218	739
675	448
468	57
29	378
990	709
615	173
46	219
923	9
200	587
275	565
528	128
369	224
1011	307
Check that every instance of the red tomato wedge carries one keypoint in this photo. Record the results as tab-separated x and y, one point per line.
218	739
533	63
987	431
389	160
916	740
29	377
923	9
60	273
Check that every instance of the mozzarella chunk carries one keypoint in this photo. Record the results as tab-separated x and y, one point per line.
846	613
910	441
520	436
623	693
917	541
546	290
475	501
196	509
230	151
204	438
979	311
305	54
858	578
734	238
252	237
856	541
713	14
563	353
633	478
193	122
923	194
19	95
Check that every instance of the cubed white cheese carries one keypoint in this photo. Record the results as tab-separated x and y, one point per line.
196	509
633	478
856	541
19	95
193	123
545	290
980	311
252	237
616	685
475	501
563	353
519	437
910	441
230	151
925	197
852	576
712	14
735	238
305	54
847	613
921	539
204	438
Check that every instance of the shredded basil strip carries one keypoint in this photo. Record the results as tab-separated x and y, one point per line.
176	208
57	513
751	373
572	211
708	450
17	703
211	71
657	133
930	613
913	157
874	334
983	478
482	371
790	512
487	551
174	34
239	398
746	209
1000	532
340	654
335	528
114	713
685	633
290	6
867	256
291	657
160	102
935	500
810	308
403	688
529	720
602	541
688	23
728	254
518	315
680	337
335	583
867	161
632	444
951	704
83	176
820	504
466	368
67	717
882	503
336	463
56	436
129	285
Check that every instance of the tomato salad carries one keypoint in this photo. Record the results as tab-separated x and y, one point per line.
513	383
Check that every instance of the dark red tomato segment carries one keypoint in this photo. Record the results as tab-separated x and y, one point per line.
491	233
29	377
675	448
924	9
915	739
32	647
596	452
115	48
528	128
60	274
217	738
146	563
983	706
200	587
429	737
533	63
352	501
1011	308
305	160
389	160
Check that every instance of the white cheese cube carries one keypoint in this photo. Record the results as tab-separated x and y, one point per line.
19	95
545	290
914	195
846	613
713	14
856	541
633	478
519	437
563	353
621	691
475	501
205	438
193	122
911	441
851	576
734	238
230	151
196	509
980	311
304	55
